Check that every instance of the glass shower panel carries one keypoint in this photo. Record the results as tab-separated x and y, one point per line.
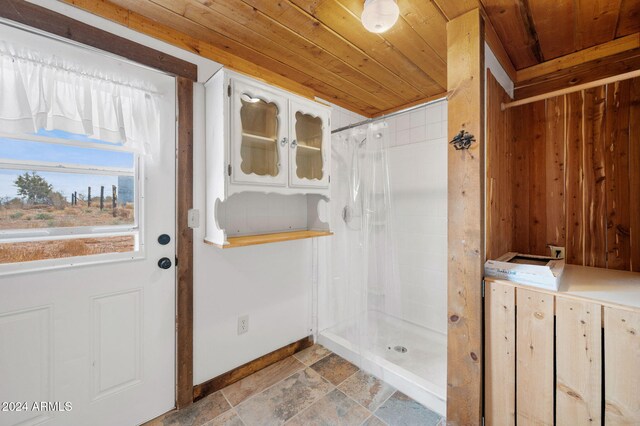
259	149
309	150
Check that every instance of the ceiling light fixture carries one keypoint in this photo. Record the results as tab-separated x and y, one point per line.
379	15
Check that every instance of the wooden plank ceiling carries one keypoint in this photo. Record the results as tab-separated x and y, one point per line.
319	48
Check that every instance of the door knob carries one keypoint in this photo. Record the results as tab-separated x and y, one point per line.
164	239
164	263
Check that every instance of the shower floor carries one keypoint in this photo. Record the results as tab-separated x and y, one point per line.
420	372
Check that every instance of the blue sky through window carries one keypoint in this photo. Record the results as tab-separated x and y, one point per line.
66	183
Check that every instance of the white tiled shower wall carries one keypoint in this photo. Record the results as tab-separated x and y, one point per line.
418	178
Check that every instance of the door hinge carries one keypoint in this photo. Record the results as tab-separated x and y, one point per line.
483	288
176	261
228	90
229	169
329	178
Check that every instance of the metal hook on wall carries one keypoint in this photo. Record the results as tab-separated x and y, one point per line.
462	140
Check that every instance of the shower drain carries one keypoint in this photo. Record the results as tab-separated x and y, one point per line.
400	349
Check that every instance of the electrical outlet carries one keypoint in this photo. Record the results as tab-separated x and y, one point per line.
243	324
557	252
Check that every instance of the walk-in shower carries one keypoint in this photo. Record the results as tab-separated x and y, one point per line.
383	303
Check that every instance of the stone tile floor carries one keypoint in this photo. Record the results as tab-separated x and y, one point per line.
312	387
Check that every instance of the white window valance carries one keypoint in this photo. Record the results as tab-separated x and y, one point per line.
40	91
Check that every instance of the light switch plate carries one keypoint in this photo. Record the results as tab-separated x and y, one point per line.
193	218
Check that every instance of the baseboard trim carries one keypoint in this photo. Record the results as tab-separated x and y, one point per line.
239	373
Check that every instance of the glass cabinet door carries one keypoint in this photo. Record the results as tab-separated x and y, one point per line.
308	151
258	130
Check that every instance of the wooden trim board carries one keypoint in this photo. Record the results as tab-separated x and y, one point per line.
55	23
466	76
600	51
252	240
184	250
239	373
580	73
412	104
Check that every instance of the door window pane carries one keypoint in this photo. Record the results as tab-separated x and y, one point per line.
309	151
259	149
59	199
41	199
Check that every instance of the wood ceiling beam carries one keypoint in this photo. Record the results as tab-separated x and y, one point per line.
342	21
314	31
213	46
581	73
594	53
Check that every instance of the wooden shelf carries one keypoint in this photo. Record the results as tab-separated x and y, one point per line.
251	240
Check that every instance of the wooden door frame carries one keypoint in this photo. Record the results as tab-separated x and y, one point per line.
186	74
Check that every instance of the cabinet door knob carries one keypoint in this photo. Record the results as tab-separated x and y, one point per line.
294	143
283	142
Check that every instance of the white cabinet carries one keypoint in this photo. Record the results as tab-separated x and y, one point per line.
275	139
268	160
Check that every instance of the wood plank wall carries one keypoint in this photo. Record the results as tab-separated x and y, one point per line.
566	172
499	166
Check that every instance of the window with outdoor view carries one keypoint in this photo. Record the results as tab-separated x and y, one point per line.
65	199
74	137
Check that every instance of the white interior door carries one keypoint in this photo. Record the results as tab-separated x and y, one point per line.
91	340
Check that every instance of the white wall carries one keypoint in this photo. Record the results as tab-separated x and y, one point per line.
270	283
491	62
